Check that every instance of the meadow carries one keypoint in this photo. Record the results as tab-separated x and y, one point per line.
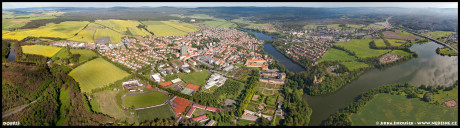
386	107
439	34
123	26
65	30
85	55
196	78
361	48
108	105
115	37
185	27
96	73
17	22
219	23
144	100
354	65
400	52
404	33
395	42
170	28
87	34
379	43
47	51
161	112
337	55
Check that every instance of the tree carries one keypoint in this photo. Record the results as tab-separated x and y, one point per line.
428	97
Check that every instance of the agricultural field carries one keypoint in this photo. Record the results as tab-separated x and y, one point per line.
108	105
400	52
251	24
87	34
170	28
394	42
219	23
144	100
85	55
115	37
47	51
439	34
196	78
396	35
399	108
361	48
96	73
403	33
379	43
447	51
201	16
374	26
161	112
65	30
126	27
337	55
13	23
354	65
182	26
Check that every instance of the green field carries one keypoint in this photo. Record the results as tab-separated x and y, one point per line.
201	16
9	24
354	65
379	43
64	98
87	34
439	34
108	105
447	51
144	100
219	23
404	33
268	92
196	78
126	27
386	107
271	100
47	51
446	95
400	52
170	28
337	55
85	55
161	112
395	42
115	37
65	30
250	24
361	48
96	73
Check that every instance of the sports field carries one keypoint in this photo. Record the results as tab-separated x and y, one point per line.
65	30
144	100
96	73
354	65
337	55
47	51
361	48
108	105
386	107
85	55
196	78
161	112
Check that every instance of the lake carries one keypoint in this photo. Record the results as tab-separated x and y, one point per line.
11	55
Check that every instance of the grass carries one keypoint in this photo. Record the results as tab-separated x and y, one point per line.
123	26
337	55
64	98
361	48
87	34
268	92
144	100
115	37
225	124
395	42
354	65
65	30
242	122
170	28
219	23
404	33
379	43
8	25
439	34
271	100
241	74
196	78
47	51
400	52
85	55
161	112
108	105
447	51
386	107
96	73
446	95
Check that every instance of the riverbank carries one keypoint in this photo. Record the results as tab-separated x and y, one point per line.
446	52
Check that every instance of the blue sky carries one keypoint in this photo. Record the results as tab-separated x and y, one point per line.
9	5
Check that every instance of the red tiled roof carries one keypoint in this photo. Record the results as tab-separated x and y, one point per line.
194	87
199	106
211	109
149	87
190	112
198	118
166	84
181	104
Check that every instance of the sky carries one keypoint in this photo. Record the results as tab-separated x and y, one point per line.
10	5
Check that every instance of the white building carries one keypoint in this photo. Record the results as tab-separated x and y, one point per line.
157	77
215	80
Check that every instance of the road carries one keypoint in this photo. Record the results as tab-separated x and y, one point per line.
437	41
19	109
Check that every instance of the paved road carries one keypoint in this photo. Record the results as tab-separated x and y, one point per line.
437	41
18	110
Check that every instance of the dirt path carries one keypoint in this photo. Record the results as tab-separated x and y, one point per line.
17	109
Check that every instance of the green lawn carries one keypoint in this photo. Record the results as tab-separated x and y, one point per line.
337	55
361	48
242	122
271	100
386	107
144	100
161	112
85	55
354	65
268	92
196	78
47	51
379	43
108	105
446	95
96	73
400	52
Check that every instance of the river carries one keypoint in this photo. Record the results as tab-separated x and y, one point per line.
428	68
268	47
11	55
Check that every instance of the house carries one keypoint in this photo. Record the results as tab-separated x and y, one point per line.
212	109
187	70
179	104
157	77
248	115
228	68
191	62
211	123
176	80
199	106
215	80
199	118
190	112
